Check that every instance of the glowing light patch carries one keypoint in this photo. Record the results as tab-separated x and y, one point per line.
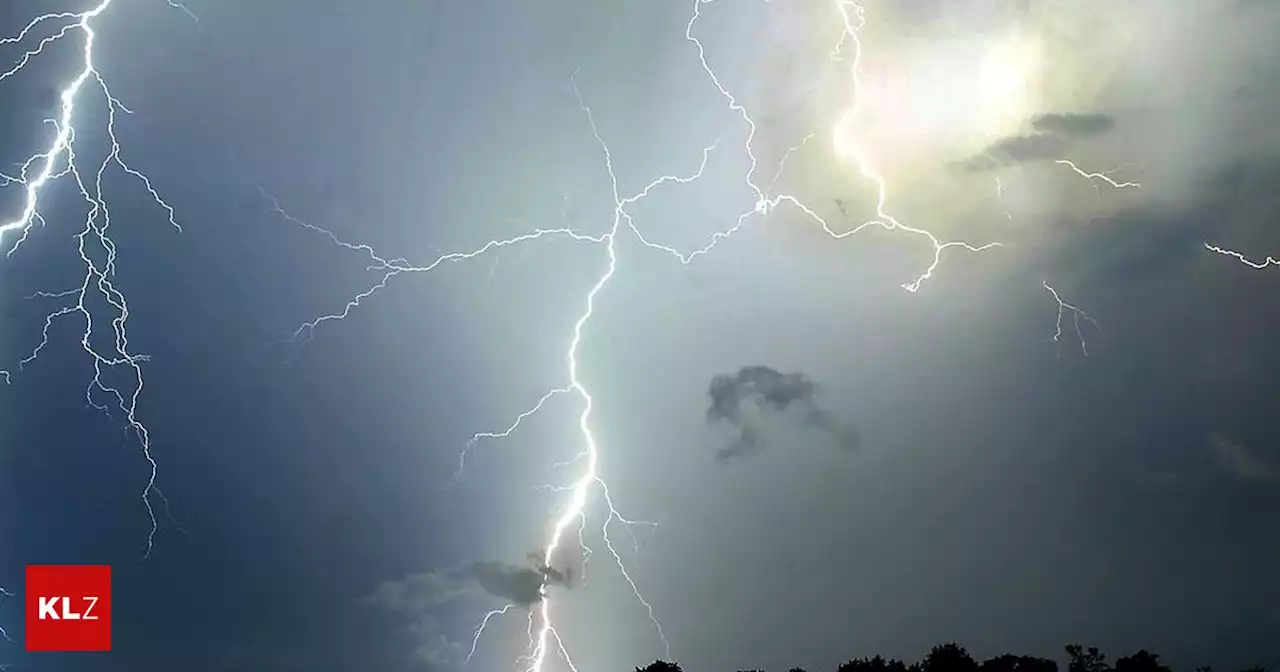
946	98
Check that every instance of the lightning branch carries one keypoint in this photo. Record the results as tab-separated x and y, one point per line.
95	301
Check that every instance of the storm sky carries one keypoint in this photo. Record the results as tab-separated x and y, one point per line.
923	466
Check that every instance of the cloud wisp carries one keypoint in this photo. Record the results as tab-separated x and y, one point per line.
1048	139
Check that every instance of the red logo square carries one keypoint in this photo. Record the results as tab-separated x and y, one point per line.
68	608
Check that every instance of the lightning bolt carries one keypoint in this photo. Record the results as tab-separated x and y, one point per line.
544	637
1268	261
1076	315
97	251
480	436
117	379
1096	177
484	623
854	17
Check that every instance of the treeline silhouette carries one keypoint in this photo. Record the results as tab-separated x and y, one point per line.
954	658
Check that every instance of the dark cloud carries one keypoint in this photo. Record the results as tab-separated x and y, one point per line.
518	584
740	399
417	599
415	594
1073	125
1048	141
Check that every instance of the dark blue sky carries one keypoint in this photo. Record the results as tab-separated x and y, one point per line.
1011	493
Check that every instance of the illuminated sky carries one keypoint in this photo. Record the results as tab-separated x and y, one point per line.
1007	490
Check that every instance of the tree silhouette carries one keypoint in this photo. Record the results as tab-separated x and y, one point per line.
660	666
951	657
1011	663
876	664
1142	661
1086	660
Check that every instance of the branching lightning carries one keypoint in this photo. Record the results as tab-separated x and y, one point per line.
853	16
97	251
1076	315
1099	178
543	633
480	436
484	623
1095	177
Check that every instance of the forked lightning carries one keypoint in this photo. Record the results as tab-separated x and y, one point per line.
35	174
98	254
545	638
97	251
1076	315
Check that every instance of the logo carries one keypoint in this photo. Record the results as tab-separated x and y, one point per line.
68	607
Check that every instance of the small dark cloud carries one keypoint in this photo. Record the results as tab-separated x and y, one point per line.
519	584
1073	125
417	598
741	399
1048	141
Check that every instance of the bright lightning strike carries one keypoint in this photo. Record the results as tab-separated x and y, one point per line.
580	491
545	637
96	249
854	18
1268	261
